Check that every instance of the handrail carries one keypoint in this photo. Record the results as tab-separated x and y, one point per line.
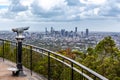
82	66
38	49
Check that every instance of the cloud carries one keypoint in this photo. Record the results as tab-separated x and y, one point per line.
48	5
16	6
73	2
48	8
26	2
110	9
16	10
93	2
60	10
98	9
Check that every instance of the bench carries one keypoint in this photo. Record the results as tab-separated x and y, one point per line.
15	71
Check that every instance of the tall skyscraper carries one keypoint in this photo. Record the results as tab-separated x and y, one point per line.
75	29
63	32
46	31
87	32
82	34
52	30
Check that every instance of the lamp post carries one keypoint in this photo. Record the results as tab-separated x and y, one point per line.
19	39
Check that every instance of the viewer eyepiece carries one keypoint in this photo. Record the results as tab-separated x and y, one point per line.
20	30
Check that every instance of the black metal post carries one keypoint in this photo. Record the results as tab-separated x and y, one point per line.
28	58
19	56
48	65
94	77
82	73
19	59
3	50
16	53
31	59
72	71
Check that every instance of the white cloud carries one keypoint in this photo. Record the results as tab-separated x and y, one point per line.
96	2
73	2
23	16
96	11
49	4
110	9
16	6
26	2
59	10
48	9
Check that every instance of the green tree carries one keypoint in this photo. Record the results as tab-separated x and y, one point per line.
107	62
105	48
104	59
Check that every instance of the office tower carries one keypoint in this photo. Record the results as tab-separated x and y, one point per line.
75	29
66	33
82	34
75	33
63	32
71	34
46	31
52	30
87	32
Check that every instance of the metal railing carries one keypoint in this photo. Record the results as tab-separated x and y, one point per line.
52	65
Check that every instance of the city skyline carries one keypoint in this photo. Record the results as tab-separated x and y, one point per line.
96	15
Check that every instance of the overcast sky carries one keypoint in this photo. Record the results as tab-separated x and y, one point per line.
96	15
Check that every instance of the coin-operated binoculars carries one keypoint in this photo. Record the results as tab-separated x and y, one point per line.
19	39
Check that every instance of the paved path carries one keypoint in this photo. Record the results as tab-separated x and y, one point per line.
5	74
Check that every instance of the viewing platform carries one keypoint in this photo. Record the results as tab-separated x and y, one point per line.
51	65
6	74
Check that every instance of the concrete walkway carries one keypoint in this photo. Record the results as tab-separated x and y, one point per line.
5	74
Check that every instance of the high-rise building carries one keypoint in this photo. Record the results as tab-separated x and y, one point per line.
66	33
87	32
75	29
52	30
63	32
46	32
82	34
75	33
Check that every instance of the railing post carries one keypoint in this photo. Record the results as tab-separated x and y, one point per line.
31	59
82	73
3	50
42	54
49	66
95	78
27	63
16	53
72	71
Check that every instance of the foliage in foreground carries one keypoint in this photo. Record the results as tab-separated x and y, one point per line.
104	58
